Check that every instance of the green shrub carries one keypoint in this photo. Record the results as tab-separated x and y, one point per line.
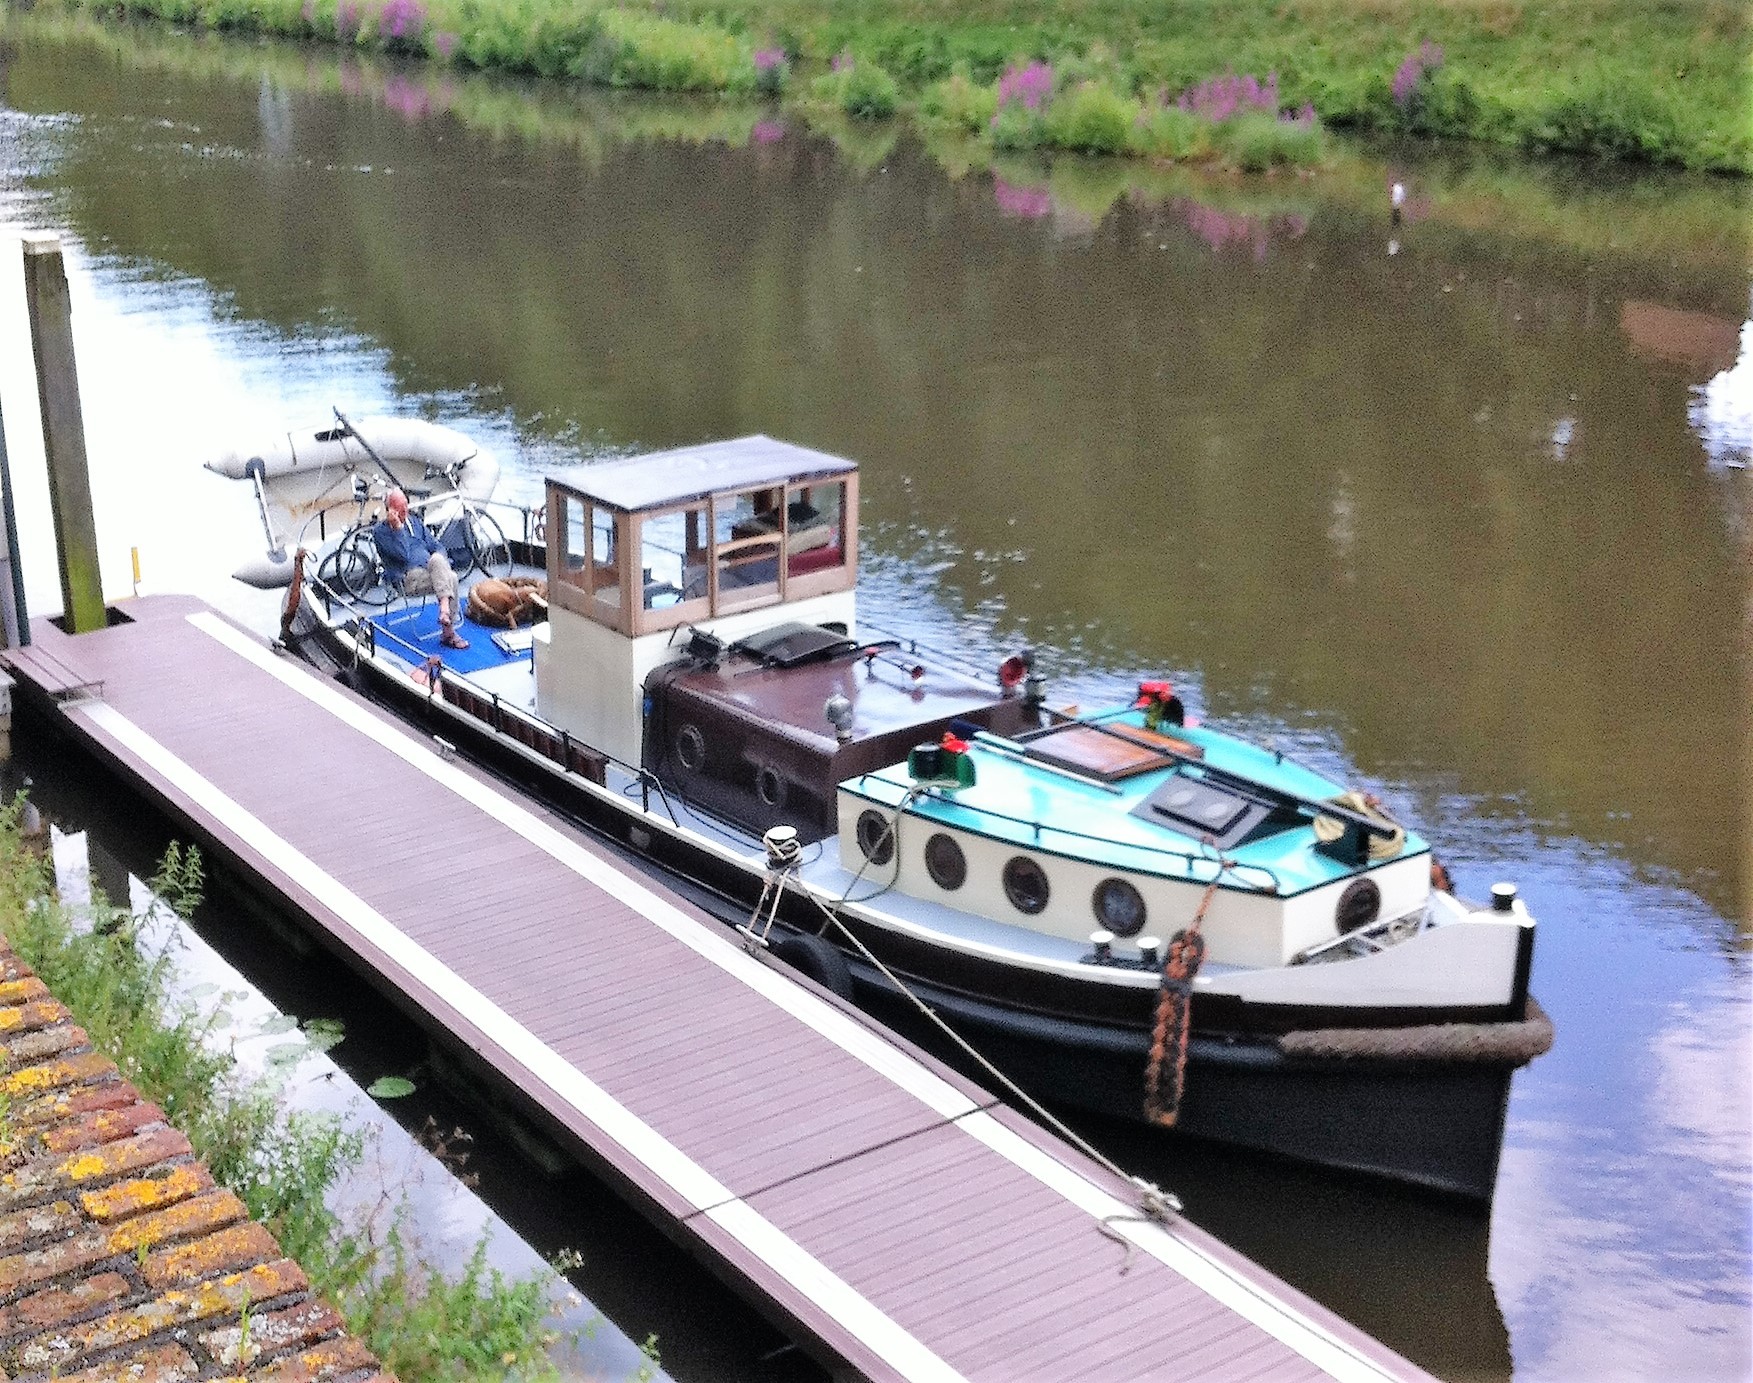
862	89
958	102
1170	132
1091	118
1619	119
1256	142
629	48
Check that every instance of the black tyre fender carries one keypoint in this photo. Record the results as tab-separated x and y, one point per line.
812	956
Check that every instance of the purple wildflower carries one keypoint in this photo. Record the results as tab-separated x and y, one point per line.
347	17
309	12
1031	203
1410	73
1029	85
766	59
444	45
767	132
1218	99
842	61
401	20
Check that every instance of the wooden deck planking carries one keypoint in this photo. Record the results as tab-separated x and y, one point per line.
956	1246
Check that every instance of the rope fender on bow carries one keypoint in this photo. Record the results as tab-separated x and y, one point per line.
1174	1011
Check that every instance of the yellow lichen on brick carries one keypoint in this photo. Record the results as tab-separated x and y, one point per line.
147	1193
125	1155
228	1248
167	1364
101	1126
83	1167
50	1074
30	1079
14	992
195	1216
226	1296
11	1019
331	1359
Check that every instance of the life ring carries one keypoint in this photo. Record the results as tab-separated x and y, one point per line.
811	956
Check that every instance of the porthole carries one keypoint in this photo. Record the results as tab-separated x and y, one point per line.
1119	907
875	837
945	862
1025	884
690	747
1359	905
769	786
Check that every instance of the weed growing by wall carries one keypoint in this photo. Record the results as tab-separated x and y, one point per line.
282	1163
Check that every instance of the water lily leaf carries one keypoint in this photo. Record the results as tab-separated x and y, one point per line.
287	1054
276	1023
390	1088
201	991
324	1033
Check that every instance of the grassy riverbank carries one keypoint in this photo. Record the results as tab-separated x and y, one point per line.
1524	206
283	1163
1247	83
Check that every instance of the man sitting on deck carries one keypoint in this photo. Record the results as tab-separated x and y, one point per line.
414	561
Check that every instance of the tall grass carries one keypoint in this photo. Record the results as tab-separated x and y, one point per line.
422	1323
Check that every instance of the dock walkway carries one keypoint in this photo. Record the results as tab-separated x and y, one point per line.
894	1218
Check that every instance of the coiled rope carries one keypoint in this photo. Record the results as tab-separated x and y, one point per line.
1174	1010
1155	1206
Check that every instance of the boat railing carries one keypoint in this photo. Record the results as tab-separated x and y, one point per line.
513	722
551	741
1258	877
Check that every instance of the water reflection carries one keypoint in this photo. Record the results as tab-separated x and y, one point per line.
1722	409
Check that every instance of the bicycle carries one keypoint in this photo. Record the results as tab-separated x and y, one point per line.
470	536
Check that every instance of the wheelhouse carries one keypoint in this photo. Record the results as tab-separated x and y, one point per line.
655	542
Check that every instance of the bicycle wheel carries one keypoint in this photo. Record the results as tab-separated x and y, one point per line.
357	570
487	545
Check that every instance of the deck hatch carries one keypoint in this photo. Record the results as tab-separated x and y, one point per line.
1200	808
792	643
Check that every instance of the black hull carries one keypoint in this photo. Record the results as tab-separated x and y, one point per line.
1427	1123
1431	1124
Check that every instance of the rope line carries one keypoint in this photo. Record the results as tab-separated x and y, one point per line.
1155	1205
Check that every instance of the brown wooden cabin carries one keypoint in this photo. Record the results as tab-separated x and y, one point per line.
744	733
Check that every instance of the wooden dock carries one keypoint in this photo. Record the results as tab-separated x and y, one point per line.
893	1218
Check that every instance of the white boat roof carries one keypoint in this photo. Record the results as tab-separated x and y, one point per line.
662	478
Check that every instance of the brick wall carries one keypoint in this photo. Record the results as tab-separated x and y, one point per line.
119	1257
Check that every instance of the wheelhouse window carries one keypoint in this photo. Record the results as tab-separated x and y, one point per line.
815	528
685	558
584	559
673	558
605	582
748	531
568	561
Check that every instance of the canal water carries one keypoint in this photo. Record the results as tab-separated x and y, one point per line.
1458	507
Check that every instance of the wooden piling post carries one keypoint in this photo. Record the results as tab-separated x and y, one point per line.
13	615
51	331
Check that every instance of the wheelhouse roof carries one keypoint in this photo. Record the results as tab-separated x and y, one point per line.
663	478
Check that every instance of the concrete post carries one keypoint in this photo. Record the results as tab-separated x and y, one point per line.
51	330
